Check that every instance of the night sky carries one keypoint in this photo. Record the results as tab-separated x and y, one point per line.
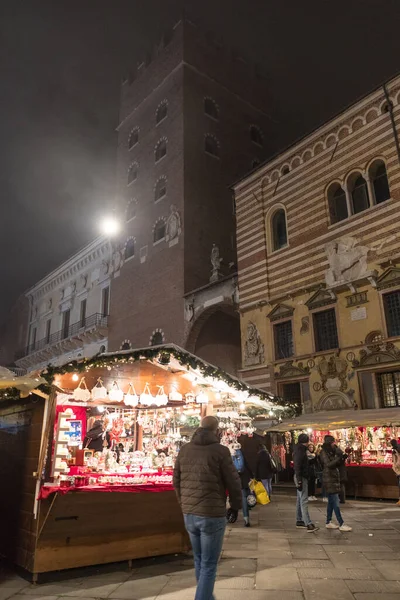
61	66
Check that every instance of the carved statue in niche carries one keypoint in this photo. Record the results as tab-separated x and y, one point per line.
105	267
49	304
73	287
333	373
173	226
83	282
216	261
347	261
305	325
253	347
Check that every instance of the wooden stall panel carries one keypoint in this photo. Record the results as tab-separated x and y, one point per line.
81	529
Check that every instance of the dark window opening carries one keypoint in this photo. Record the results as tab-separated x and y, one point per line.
359	195
161	189
129	248
211	145
161	150
48	331
210	108
381	185
131	210
325	330
391	304
105	301
83	313
156	339
338	205
162	112
65	323
291	392
279	232
132	174
133	138
159	231
389	388
283	338
126	346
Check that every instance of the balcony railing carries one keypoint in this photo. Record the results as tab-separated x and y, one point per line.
83	325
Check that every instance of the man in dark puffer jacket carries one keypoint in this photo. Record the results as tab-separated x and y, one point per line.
203	472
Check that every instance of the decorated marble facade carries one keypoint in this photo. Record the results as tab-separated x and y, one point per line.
319	263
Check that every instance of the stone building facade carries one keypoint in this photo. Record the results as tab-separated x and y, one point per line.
319	262
68	311
193	119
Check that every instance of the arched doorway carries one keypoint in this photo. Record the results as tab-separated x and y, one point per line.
215	337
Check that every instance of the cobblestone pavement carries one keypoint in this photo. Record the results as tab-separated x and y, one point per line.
273	560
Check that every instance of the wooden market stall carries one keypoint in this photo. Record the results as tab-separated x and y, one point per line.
363	434
77	504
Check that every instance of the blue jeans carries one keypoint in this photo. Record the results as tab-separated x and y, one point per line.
245	506
333	507
267	483
206	536
302	503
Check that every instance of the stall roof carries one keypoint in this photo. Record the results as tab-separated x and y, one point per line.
340	419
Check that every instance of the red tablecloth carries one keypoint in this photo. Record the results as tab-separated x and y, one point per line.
47	490
371	465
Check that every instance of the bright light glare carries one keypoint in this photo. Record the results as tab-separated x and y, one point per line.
75	377
309	430
109	226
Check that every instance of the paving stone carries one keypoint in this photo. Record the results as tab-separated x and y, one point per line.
235	583
360	585
5	593
372	555
377	596
348	560
135	589
38	596
257	595
237	567
355	548
92	590
319	589
339	573
277	578
389	569
313	552
312	564
52	589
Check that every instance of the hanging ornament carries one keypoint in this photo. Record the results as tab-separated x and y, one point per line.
81	392
99	392
116	394
131	398
146	399
161	398
175	396
190	397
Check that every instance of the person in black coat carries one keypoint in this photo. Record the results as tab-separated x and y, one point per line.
97	437
301	472
245	475
264	468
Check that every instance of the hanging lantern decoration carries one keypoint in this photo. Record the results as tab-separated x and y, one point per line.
116	394
131	398
146	399
161	398
99	392
190	398
202	398
81	392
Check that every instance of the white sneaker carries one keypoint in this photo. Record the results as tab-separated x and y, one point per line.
332	526
345	528
314	498
311	498
324	499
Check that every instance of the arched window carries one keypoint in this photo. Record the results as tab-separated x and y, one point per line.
132	173
160	189
162	111
131	210
102	349
337	203
126	346
133	138
161	149
157	339
211	145
379	180
359	193
285	170
211	108
129	248
256	135
159	231
279	232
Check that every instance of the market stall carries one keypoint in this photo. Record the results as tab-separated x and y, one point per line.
112	427
363	434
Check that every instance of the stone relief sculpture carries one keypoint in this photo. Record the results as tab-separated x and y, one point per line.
347	261
173	226
216	261
305	325
333	373
253	347
189	309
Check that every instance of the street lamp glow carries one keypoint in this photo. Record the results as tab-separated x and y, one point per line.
110	226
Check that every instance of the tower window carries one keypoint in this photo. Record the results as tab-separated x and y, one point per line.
157	339
131	210
359	194
162	111
211	108
133	138
256	135
159	231
160	189
379	181
161	149
129	248
132	173
337	203
211	145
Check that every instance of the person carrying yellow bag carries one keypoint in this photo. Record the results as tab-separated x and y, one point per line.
260	492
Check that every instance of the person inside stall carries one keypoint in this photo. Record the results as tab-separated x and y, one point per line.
97	437
396	462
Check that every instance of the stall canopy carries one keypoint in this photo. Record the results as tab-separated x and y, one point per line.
24	384
328	420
